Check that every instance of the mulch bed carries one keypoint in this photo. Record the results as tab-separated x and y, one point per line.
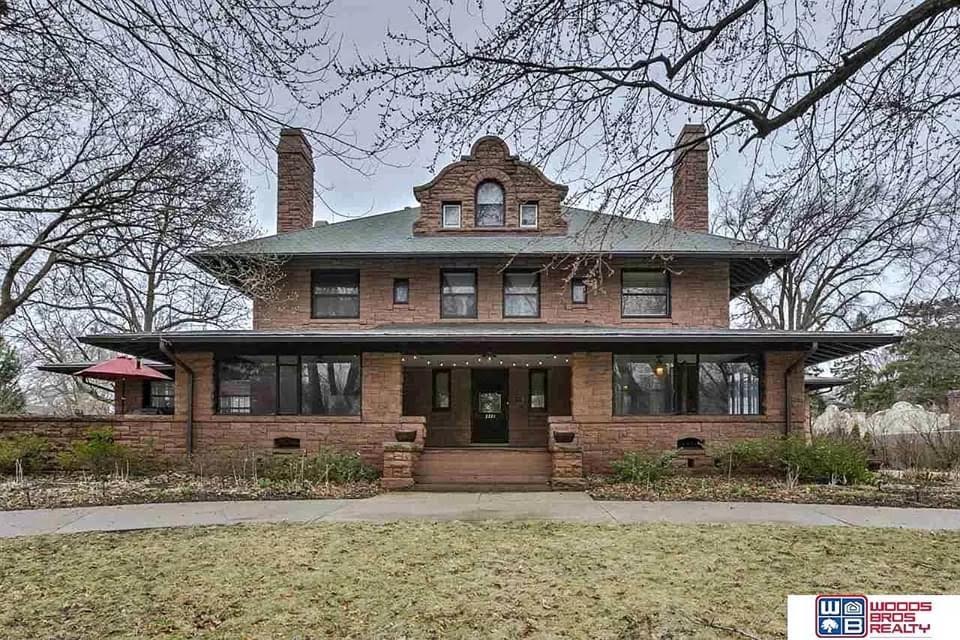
76	491
942	492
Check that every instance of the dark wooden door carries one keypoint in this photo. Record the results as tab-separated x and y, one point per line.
490	406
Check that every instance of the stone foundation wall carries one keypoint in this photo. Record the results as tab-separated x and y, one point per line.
606	440
166	436
159	433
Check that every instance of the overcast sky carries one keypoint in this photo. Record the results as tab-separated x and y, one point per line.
362	24
347	193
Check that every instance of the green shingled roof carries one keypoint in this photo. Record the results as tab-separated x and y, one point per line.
391	234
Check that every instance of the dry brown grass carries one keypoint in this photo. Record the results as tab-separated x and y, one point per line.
451	580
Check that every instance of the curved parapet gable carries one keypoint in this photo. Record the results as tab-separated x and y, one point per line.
522	183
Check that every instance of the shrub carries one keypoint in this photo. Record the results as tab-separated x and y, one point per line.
759	454
638	467
98	453
326	465
31	450
823	459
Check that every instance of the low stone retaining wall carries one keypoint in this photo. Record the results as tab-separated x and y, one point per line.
167	435
161	433
603	440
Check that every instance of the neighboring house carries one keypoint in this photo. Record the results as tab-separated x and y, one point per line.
459	320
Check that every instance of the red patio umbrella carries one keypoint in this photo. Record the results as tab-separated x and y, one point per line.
119	370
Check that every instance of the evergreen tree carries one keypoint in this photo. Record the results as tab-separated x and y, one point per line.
11	397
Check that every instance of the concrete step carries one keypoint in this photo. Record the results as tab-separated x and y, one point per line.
473	487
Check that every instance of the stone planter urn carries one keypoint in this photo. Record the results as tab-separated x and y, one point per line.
405	435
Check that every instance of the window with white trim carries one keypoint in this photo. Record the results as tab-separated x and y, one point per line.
451	215
529	215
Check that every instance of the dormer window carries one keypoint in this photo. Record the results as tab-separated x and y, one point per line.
529	215
489	200
451	215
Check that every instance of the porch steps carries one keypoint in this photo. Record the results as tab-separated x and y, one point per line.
483	468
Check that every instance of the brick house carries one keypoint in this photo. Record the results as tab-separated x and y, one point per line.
460	323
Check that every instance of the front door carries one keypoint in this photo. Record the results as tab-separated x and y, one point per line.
490	406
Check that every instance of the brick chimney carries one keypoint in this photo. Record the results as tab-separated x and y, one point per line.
294	181
690	208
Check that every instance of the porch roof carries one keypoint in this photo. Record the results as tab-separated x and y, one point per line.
501	338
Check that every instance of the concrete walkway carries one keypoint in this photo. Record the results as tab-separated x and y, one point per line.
562	506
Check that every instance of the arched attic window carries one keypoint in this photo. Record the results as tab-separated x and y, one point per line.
490	204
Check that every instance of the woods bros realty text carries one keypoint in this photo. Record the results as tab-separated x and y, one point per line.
874	616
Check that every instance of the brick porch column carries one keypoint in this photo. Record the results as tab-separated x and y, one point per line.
566	458
399	461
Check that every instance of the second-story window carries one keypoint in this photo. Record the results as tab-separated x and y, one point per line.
401	291
489	204
578	291
336	294
529	215
451	215
644	294
458	294
521	294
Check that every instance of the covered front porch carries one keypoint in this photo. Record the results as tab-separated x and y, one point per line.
486	400
469	391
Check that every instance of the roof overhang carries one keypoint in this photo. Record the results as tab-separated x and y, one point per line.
498	338
70	368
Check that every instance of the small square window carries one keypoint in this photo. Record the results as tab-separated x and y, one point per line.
578	291
529	214
401	291
451	215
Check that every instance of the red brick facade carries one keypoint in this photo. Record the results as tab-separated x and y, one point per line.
700	295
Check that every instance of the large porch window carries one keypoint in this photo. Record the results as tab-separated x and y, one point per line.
705	384
277	385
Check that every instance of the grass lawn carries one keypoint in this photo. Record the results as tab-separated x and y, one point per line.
452	580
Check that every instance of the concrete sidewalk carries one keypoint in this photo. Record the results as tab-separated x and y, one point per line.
560	506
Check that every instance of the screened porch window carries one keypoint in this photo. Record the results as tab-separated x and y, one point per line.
160	395
305	385
336	294
703	384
